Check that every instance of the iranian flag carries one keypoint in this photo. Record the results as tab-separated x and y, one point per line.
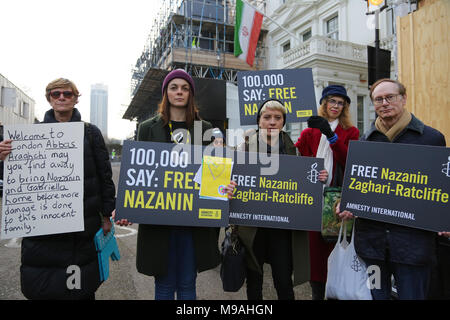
246	32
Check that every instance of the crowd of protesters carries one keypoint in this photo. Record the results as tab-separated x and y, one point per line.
174	255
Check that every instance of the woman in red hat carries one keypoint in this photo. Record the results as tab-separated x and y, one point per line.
327	137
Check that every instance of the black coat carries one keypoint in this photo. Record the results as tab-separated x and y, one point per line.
406	245
45	259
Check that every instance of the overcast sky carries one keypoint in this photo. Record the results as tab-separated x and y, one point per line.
88	42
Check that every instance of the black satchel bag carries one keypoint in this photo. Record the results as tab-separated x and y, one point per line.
233	268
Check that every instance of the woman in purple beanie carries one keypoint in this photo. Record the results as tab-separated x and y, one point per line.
174	254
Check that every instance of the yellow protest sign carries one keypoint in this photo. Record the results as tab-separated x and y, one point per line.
216	175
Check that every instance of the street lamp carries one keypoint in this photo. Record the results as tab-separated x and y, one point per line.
377	3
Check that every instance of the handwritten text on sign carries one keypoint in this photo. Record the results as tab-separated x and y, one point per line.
43	180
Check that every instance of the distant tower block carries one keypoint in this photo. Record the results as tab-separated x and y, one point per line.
99	107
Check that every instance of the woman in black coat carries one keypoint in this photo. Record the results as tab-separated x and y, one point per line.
174	254
48	261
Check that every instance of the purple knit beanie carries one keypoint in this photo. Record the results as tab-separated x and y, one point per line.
178	73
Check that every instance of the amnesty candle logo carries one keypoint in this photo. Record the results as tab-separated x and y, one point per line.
313	174
356	264
446	169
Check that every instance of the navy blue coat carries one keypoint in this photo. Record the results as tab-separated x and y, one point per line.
406	245
45	259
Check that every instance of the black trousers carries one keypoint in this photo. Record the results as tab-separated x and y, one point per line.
440	276
273	246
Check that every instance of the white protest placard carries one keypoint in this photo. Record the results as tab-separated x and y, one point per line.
43	180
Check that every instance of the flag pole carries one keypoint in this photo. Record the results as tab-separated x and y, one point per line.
283	28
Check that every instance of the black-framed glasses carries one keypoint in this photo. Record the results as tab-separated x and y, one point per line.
333	103
378	101
56	94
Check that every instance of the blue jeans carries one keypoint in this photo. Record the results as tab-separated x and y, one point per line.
182	271
412	282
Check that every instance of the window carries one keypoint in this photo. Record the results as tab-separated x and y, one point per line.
286	46
360	114
25	110
294	130
336	83
332	28
306	35
390	28
8	97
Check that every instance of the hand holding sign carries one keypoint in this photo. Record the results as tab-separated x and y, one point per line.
5	148
344	215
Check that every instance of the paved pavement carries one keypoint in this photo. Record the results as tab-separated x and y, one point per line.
125	283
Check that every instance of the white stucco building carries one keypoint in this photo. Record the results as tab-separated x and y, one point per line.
331	37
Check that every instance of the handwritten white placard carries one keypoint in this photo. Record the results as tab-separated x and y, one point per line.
43	180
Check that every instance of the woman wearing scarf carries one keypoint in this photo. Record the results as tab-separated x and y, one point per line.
327	137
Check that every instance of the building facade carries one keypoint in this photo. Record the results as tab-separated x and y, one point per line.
331	38
197	36
328	36
99	107
16	107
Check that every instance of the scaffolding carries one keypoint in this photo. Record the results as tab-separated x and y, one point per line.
198	36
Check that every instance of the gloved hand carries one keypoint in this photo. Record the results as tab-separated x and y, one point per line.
321	124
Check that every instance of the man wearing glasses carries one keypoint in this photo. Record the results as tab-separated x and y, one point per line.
407	253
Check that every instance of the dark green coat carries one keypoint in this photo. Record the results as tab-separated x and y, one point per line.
153	240
300	242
